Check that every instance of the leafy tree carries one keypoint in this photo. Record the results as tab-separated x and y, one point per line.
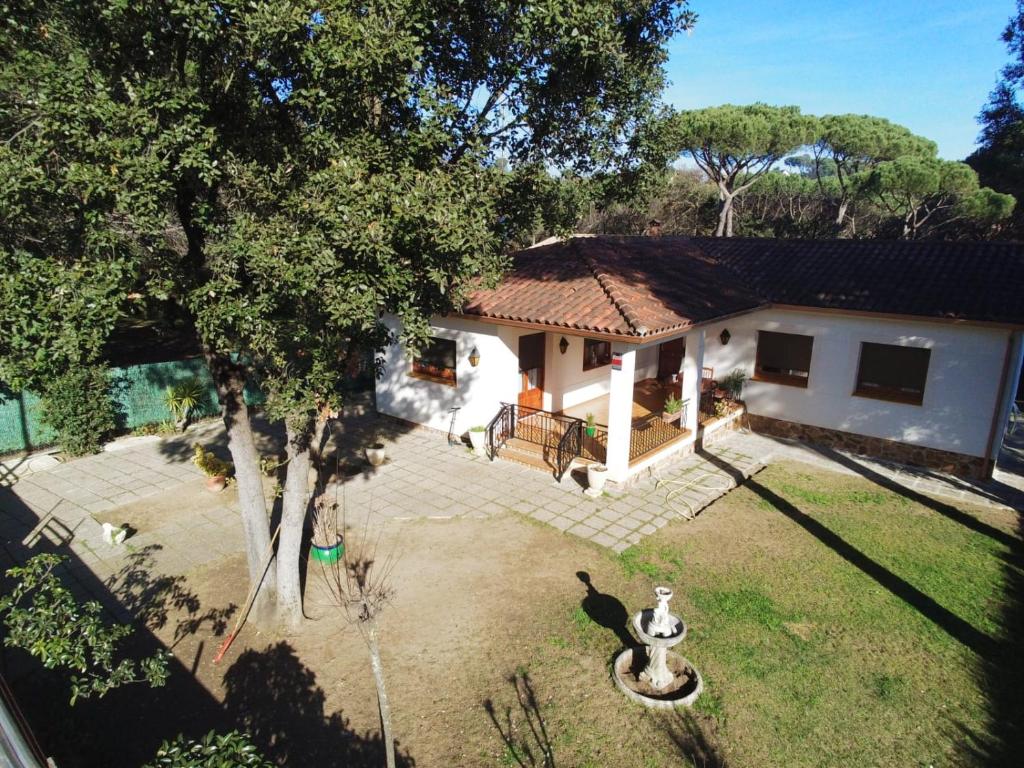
228	750
42	617
285	176
924	191
853	144
999	160
736	145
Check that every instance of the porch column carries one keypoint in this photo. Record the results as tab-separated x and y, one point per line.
693	364
620	411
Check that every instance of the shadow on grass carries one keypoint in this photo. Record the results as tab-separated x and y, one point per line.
529	746
606	611
946	510
1000	661
960	630
691	741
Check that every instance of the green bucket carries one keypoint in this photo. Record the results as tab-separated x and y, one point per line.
328	555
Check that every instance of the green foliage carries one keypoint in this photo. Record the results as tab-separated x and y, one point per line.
210	465
733	382
591	421
735	145
746	138
478	428
184	398
673	404
923	190
42	617
78	405
228	750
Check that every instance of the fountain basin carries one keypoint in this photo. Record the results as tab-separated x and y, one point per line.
686	685
641	623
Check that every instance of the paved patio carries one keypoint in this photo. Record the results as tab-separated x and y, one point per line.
424	478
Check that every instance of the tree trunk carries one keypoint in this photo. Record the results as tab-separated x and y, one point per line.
724	228
229	379
841	213
294	505
373	641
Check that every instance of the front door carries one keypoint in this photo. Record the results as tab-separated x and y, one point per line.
670	357
531	370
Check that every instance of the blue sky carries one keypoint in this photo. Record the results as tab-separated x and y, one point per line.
927	64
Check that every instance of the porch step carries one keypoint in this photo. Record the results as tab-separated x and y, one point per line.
527	453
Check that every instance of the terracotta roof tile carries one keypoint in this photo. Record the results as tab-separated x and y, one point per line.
640	286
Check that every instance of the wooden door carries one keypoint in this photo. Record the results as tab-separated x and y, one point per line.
670	357
531	370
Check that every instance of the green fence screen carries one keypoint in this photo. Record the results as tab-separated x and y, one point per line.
137	390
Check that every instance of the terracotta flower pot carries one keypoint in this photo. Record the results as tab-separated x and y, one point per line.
216	483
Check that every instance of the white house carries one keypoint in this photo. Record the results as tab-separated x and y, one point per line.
908	351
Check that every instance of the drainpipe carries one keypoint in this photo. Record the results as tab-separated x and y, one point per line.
1001	412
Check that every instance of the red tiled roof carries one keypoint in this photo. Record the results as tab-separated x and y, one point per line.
630	286
641	286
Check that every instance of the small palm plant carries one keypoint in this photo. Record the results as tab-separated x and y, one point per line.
183	400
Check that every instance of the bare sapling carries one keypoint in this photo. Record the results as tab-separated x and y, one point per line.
359	584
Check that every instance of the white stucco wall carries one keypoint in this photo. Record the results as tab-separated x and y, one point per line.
479	391
960	392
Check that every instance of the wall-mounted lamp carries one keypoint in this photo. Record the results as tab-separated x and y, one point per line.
724	336
563	345
474	358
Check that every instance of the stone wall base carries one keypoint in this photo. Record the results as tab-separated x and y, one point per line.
715	430
959	464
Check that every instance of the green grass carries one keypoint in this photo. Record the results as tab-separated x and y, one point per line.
832	619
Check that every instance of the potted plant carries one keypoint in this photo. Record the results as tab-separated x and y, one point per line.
597	474
375	453
673	409
327	545
477	436
733	384
216	470
591	425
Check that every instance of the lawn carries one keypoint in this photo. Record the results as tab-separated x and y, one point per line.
835	622
839	623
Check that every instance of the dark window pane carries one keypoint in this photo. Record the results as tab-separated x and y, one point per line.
784	354
531	351
889	368
436	359
596	353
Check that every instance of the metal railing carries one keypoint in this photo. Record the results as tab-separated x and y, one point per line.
501	429
554	432
569	447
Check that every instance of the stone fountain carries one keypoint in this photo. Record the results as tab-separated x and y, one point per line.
653	674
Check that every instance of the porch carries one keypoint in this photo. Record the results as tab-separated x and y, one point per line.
649	432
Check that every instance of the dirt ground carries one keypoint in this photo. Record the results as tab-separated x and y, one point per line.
499	638
485	625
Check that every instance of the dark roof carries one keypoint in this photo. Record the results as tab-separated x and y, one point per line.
641	286
629	286
952	280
